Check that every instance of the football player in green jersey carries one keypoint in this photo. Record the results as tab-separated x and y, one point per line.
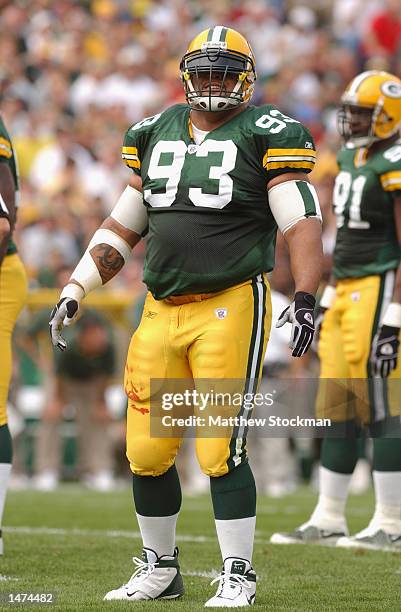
212	181
13	289
360	313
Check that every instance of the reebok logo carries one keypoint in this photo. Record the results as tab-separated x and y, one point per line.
221	313
308	317
386	349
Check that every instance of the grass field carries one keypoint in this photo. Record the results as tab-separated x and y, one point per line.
79	545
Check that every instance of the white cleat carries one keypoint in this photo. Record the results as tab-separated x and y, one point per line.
154	578
237	585
373	538
310	534
46	481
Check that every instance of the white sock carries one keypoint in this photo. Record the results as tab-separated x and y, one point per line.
158	533
5	470
388	501
236	537
333	493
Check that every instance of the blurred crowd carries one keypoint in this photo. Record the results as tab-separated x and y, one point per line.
75	74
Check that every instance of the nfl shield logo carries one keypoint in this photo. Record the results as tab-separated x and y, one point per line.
220	313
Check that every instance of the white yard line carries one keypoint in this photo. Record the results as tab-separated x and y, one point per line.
95	533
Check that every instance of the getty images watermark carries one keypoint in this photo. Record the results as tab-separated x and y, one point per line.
245	403
275	407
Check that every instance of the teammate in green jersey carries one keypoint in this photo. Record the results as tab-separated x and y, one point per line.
212	181
13	288
361	314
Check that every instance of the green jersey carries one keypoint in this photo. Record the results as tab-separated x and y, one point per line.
209	222
7	156
364	193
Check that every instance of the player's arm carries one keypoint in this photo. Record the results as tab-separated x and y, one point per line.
106	254
7	207
295	207
386	343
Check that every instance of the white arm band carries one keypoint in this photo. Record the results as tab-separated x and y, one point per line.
328	296
392	316
292	201
86	272
130	211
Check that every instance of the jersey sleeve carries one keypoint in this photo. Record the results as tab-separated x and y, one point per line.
390	171
285	145
6	149
130	151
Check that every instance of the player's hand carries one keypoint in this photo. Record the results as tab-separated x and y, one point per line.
300	313
318	327
385	350
63	314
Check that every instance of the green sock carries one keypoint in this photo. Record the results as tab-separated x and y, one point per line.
339	454
234	494
6	449
157	495
387	454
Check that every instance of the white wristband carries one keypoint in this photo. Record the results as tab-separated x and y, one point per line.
86	273
105	236
328	297
392	316
72	291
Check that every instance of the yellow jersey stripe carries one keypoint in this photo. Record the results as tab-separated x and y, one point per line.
391	181
130	150
275	152
278	154
131	163
5	147
290	164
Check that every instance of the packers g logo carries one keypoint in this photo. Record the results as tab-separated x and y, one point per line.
392	89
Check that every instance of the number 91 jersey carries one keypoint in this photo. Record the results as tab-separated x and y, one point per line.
363	200
209	223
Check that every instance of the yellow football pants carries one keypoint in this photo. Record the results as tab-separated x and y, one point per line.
345	391
13	292
221	337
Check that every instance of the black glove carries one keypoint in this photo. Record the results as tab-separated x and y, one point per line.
318	327
62	314
385	347
301	314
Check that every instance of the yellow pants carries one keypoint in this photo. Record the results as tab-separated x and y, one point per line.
13	292
221	337
347	389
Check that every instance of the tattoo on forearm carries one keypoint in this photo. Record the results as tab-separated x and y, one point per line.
108	261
